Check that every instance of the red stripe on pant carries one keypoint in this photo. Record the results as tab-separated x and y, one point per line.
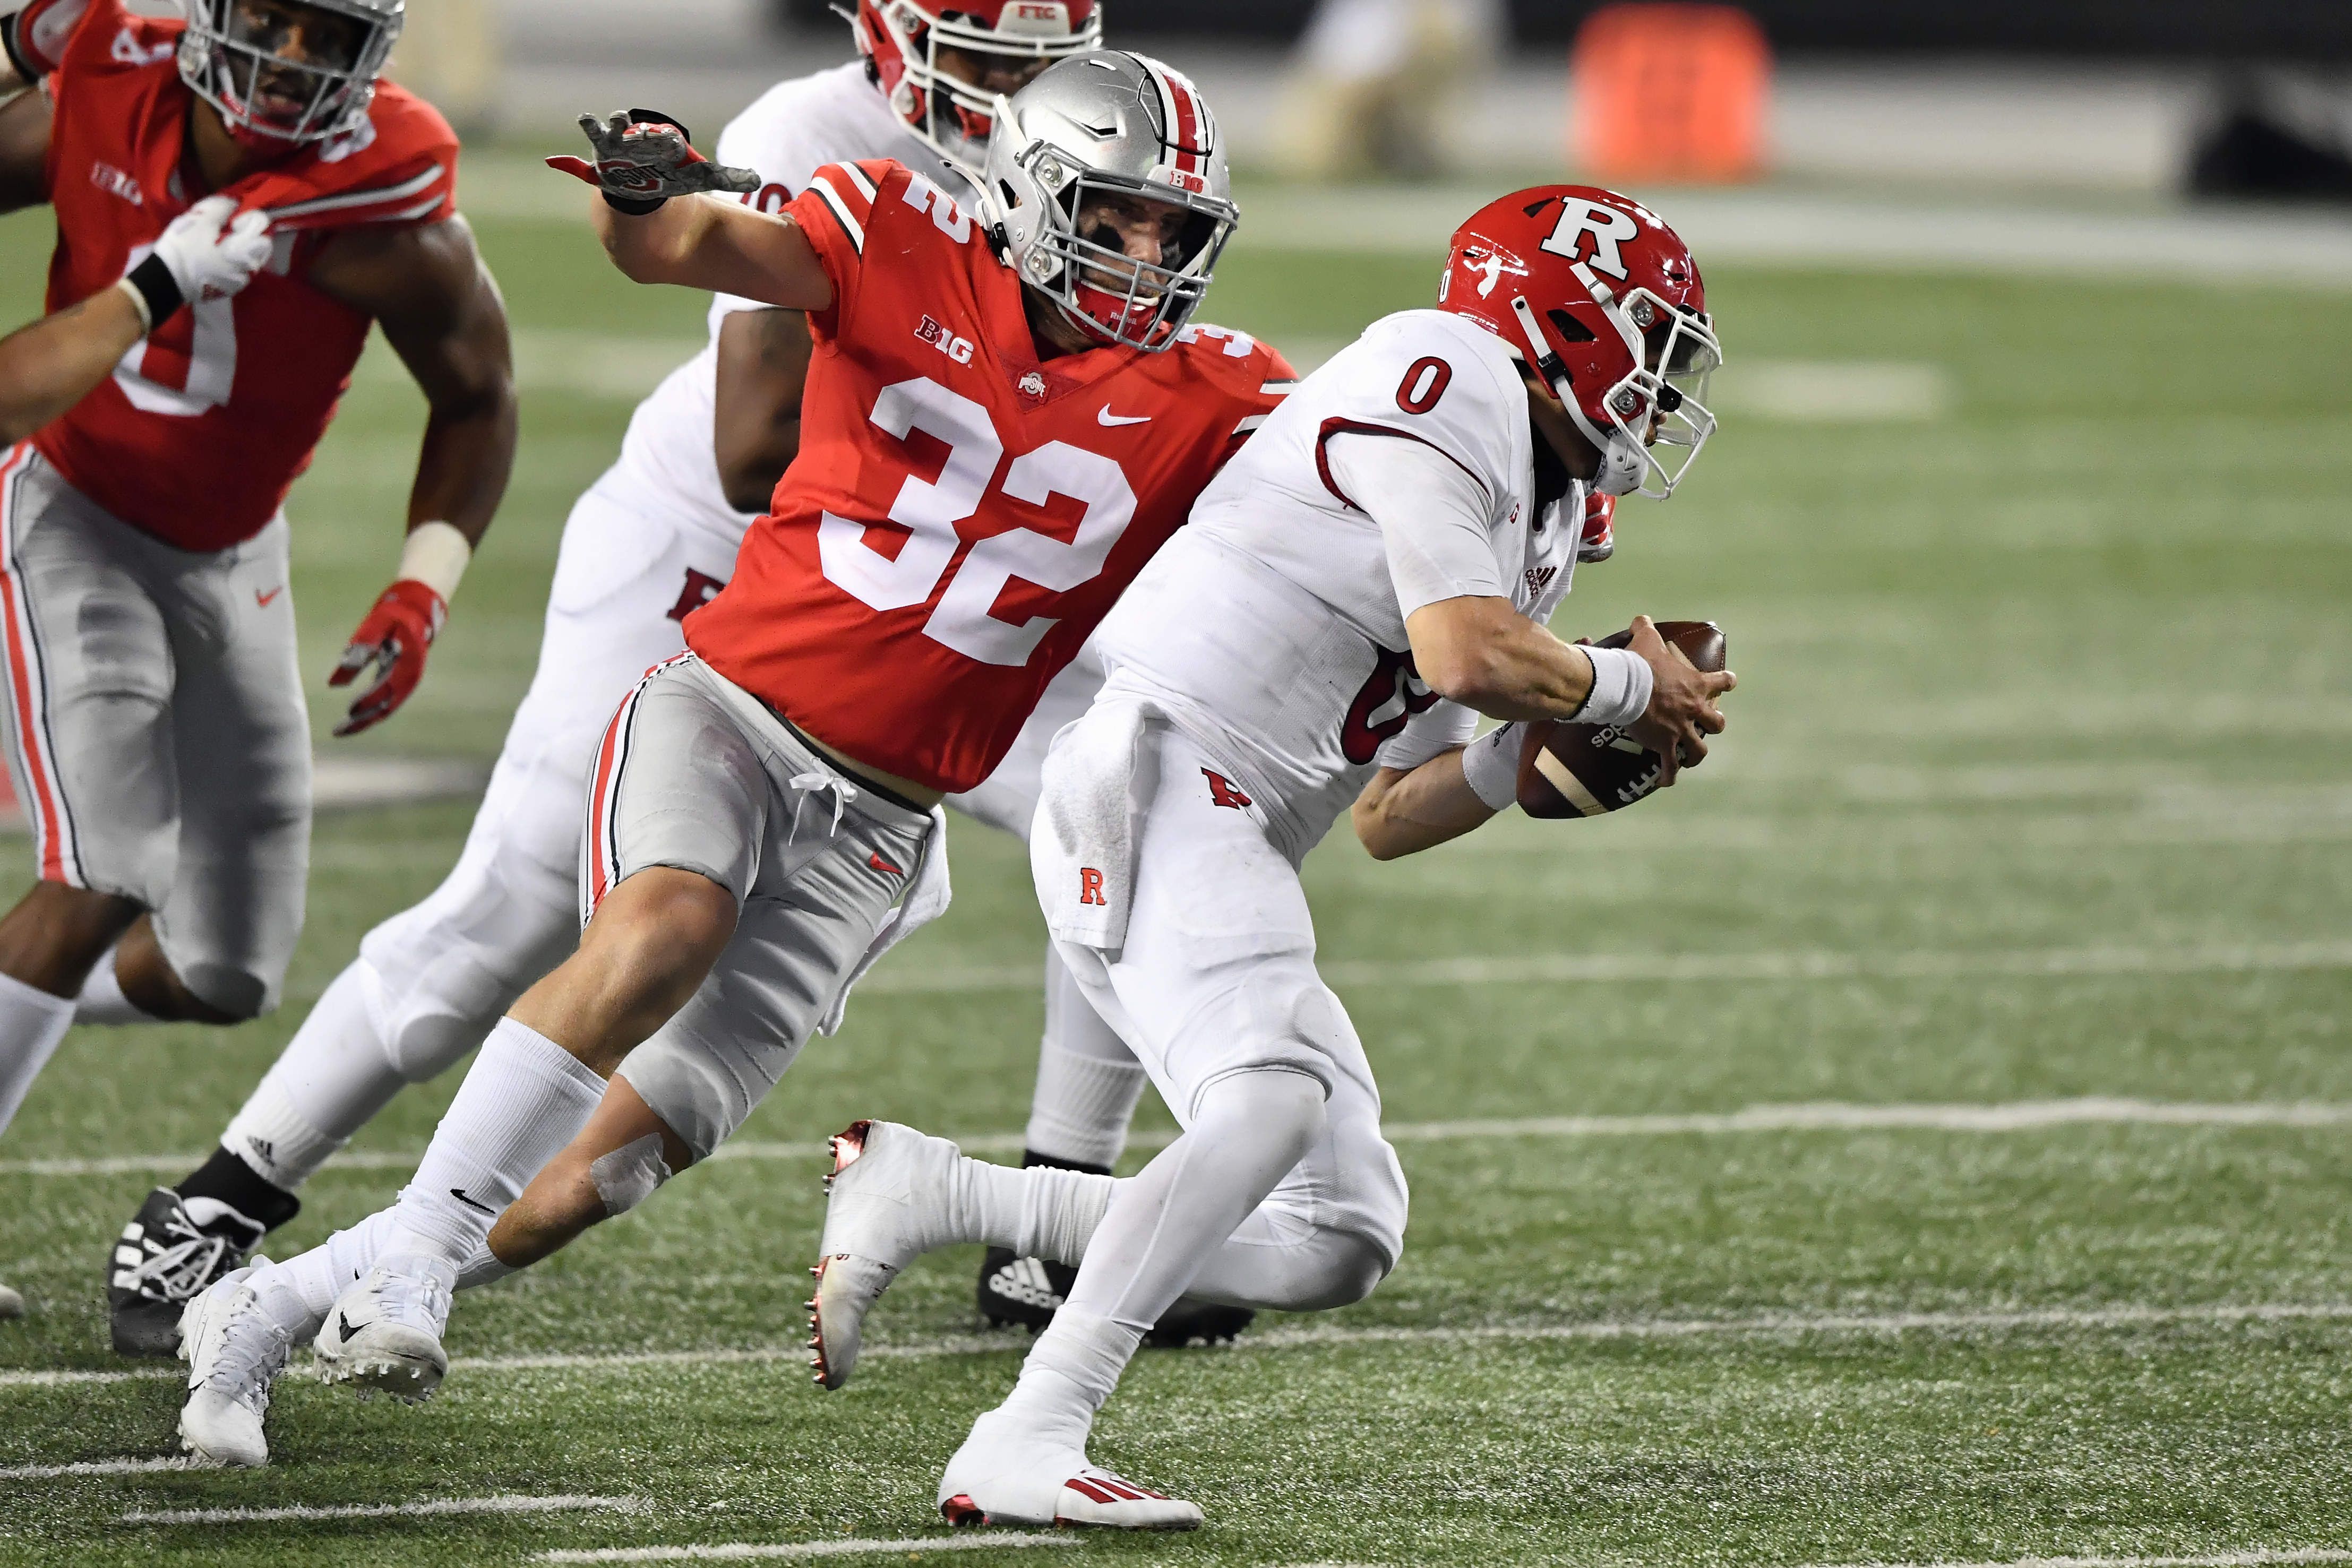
48	820
600	802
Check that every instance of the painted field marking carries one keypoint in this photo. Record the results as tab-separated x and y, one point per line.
1838	390
2012	1116
740	1551
429	1508
98	1468
2254	1559
1294	1338
1557	968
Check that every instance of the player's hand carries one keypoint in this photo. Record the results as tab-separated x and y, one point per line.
212	250
644	158
393	639
1682	711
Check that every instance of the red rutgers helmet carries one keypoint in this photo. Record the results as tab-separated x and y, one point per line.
1595	291
902	40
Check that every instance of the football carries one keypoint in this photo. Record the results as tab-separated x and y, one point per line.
1570	769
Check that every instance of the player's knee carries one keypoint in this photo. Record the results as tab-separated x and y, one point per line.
661	929
1281	1107
1349	1269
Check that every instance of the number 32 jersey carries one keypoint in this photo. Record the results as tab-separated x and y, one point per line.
201	430
961	515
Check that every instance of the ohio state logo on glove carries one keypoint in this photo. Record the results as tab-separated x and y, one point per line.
644	157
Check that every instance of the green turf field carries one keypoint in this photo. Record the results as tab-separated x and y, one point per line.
2035	803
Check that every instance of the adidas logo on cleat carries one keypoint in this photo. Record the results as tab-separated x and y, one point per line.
1024	1280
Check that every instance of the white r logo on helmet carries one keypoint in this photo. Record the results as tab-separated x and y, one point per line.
1606	224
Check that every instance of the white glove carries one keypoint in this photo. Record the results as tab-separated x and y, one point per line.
206	256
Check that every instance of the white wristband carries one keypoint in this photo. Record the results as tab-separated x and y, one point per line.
1621	687
1490	766
435	555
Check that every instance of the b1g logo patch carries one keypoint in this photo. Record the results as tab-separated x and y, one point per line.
960	349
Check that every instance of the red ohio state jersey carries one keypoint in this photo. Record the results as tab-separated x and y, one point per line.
206	422
960	515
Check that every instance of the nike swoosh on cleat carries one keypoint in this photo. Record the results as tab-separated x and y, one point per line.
343	1326
460	1194
1108	418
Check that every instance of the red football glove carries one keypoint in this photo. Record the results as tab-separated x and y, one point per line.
393	639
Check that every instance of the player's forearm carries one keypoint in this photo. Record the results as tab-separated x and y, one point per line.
703	242
1403	813
1483	653
467	457
50	366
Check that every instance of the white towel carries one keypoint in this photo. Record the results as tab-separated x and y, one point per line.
1088	807
926	899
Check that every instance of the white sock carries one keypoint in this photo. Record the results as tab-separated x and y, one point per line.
32	1021
1070	1372
525	1098
101	999
1044	1211
1161	1227
299	1292
1166	1222
1088	1080
330	1079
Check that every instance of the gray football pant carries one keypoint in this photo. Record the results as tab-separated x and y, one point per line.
155	730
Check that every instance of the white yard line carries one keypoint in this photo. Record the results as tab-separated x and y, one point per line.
741	1551
97	1468
2090	1318
2012	1116
2254	1559
429	1508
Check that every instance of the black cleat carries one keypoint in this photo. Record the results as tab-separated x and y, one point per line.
1022	1292
172	1250
1026	1292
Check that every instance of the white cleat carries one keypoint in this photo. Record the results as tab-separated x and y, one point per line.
1004	1475
888	1201
234	1352
383	1335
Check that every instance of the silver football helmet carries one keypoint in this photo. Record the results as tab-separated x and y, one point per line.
1109	125
234	56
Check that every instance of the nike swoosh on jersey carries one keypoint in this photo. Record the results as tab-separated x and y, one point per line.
1106	417
264	598
458	1192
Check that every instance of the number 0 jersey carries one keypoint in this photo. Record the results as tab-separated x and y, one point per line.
1303	679
960	515
206	422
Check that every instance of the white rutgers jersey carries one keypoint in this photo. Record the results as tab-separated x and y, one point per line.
794	128
1269	627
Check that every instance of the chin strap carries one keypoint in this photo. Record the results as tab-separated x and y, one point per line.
1620	469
